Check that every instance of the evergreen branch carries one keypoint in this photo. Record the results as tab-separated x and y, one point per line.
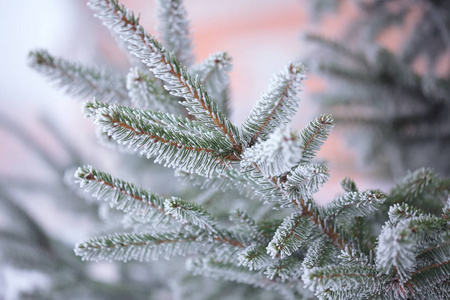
190	213
165	67
148	132
277	107
217	269
446	211
354	204
145	92
213	72
421	188
78	80
354	257
304	181
348	185
402	211
314	135
139	246
431	275
254	257
274	156
396	252
355	281
231	239
398	244
287	269
318	254
310	210
247	224
122	195
250	183
174	27
290	236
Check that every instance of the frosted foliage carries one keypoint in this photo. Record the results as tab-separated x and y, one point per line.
254	257
174	26
290	236
79	80
275	156
143	91
304	181
277	107
396	250
213	73
189	213
165	66
250	170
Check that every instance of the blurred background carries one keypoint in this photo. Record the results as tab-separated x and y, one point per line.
381	69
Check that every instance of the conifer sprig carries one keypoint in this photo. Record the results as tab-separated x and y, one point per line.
122	195
314	135
191	213
275	156
304	181
139	246
354	204
78	80
290	236
213	72
277	107
165	67
145	92
147	132
174	27
217	269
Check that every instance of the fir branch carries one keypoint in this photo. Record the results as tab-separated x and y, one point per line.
277	107
314	135
354	257
145	92
140	246
395	251
274	156
165	67
304	181
354	282
287	269
122	195
348	185
310	210
446	211
190	213
254	257
431	275
159	135
249	183
213	73
217	269
398	244
399	212
318	254
247	224
290	236
421	188
174	27
78	80
354	204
